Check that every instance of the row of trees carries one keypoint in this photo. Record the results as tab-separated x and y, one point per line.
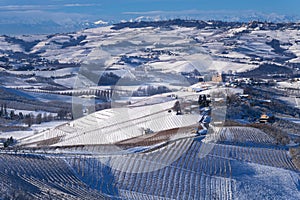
8	142
203	101
30	119
150	90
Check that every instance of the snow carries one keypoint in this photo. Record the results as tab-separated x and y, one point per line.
25	112
254	181
67	82
34	129
143	148
175	66
205	55
6	46
234	31
295	85
293	101
224	66
294	120
100	22
45	97
178	49
117	124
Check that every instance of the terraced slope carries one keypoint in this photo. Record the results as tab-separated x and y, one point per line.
39	177
186	168
192	169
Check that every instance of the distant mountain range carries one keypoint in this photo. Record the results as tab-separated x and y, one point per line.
44	25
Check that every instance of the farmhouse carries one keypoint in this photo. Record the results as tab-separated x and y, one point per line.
218	78
266	118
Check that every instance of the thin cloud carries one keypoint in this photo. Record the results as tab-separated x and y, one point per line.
26	7
42	7
160	12
228	15
29	17
182	12
80	5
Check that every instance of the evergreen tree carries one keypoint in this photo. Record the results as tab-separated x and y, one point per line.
62	114
38	119
200	100
50	118
21	116
177	107
12	114
5	110
205	104
8	142
2	111
28	120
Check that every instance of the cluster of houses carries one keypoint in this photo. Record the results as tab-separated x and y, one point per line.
229	81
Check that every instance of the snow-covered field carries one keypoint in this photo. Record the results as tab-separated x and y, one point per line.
229	163
255	181
117	124
150	55
34	129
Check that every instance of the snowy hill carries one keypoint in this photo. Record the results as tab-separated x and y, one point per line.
144	50
232	43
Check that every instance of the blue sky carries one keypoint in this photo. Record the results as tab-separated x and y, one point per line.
18	16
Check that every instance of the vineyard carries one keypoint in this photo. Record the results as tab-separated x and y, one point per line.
173	172
187	168
264	156
114	125
245	135
151	152
42	178
153	107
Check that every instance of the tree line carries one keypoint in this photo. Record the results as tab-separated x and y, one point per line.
30	119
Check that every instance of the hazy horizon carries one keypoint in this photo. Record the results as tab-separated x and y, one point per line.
56	16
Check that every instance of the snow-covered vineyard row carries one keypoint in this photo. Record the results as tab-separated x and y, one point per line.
42	177
174	172
245	135
271	157
184	169
103	153
110	127
121	132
